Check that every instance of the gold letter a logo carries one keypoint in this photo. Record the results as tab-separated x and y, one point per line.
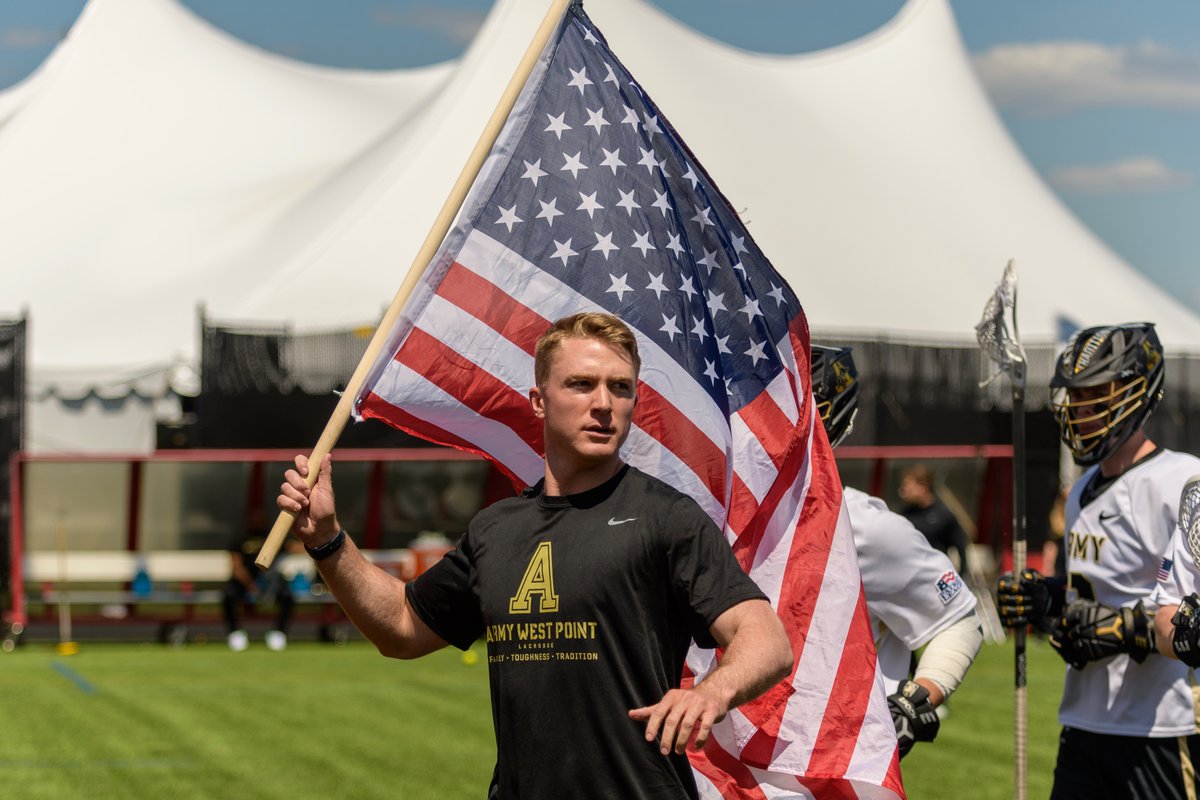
539	579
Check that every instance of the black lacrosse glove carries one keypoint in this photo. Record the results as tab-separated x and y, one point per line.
1031	600
915	718
1090	631
1186	640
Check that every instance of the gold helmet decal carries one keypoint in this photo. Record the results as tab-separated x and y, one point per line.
842	379
1152	355
1090	348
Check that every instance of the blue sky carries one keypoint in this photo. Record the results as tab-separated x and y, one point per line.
1103	96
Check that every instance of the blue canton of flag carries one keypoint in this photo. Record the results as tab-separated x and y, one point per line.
605	197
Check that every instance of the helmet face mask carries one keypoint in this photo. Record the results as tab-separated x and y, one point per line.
1106	382
835	390
1087	419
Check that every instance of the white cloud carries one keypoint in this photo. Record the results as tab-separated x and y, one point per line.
1137	174
457	25
1048	77
26	38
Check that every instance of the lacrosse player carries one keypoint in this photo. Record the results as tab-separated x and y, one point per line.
1128	718
915	598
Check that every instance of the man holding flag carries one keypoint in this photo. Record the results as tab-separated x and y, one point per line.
588	588
587	200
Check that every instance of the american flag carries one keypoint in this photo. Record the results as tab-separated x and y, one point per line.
589	200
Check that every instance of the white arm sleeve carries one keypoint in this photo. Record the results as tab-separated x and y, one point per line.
950	653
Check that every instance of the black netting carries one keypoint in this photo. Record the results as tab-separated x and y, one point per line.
12	419
273	387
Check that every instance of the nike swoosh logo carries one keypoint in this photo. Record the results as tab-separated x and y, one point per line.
1105	517
613	521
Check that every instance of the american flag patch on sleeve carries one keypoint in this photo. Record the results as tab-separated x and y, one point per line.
1164	569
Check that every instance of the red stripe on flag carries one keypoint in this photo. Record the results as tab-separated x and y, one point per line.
375	407
847	701
730	777
807	562
829	788
743	506
493	306
657	416
774	431
893	780
752	526
471	385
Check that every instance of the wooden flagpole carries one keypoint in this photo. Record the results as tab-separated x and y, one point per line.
441	226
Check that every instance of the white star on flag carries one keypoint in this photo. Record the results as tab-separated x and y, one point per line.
563	251
579	79
588	203
643	242
657	286
605	244
573	164
557	125
619	286
534	171
596	119
612	159
508	217
549	211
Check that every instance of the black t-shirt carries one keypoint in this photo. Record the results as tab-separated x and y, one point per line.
588	603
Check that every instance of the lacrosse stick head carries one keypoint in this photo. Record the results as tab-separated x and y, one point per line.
1189	515
997	332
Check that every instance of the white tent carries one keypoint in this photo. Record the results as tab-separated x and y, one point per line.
154	163
142	165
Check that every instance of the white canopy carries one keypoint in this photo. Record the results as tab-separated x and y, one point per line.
154	163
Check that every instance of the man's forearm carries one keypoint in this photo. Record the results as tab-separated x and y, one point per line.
373	600
757	657
1165	630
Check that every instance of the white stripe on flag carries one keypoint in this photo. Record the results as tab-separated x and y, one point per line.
817	670
461	332
428	402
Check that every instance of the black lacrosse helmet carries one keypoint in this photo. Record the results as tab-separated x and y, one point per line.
835	388
1122	366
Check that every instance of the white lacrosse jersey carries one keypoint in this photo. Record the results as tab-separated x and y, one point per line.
1115	546
913	592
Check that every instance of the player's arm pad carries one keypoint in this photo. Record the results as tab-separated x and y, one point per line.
950	653
1090	631
1029	599
915	718
1185	642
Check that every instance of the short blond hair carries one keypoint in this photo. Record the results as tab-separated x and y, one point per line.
584	325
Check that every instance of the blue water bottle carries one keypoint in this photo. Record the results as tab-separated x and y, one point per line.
142	585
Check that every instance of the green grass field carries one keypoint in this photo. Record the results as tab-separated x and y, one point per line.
150	721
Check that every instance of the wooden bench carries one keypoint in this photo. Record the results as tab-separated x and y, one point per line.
99	586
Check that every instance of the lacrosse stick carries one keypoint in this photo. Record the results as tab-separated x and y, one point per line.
1189	515
1000	341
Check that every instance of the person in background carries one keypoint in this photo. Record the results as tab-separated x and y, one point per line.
249	584
915	598
930	516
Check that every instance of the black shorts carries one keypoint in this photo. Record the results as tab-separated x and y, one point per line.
1098	765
